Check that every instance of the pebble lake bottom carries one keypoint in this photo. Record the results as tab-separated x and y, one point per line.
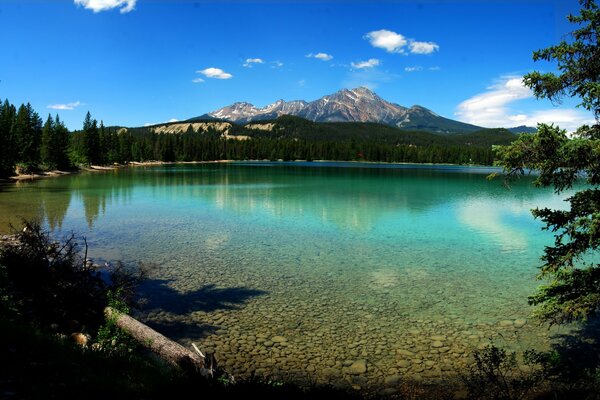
351	274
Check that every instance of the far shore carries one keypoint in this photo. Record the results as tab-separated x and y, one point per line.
100	168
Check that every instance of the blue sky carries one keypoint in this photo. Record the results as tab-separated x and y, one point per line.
134	62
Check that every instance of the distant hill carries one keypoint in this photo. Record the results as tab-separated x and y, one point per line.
522	129
347	105
296	128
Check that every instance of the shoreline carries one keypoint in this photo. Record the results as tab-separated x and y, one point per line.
103	168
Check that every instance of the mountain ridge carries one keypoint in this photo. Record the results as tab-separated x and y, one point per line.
346	105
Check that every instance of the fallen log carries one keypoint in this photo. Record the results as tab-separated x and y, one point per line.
170	351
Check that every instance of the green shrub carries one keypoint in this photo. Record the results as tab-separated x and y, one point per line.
497	375
51	282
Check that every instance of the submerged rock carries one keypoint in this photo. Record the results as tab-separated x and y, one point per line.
392	380
358	367
519	323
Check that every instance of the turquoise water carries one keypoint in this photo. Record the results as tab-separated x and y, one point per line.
301	269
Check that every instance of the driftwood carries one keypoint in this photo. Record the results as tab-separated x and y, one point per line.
168	350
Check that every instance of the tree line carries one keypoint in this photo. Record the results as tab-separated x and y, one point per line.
29	144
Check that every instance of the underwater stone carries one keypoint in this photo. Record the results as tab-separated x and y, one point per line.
519	323
358	367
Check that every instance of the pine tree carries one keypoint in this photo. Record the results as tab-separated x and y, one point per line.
47	150
570	266
85	145
61	144
55	144
27	133
7	142
93	142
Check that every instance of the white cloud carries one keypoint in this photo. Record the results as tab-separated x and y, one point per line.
173	120
124	6
216	73
423	47
370	63
250	61
320	56
276	64
302	82
435	68
392	42
569	119
491	109
68	106
415	68
197	80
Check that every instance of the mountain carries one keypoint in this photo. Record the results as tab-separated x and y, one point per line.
346	105
522	129
242	112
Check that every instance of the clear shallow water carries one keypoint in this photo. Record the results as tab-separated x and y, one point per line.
407	267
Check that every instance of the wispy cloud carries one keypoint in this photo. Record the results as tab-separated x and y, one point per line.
302	82
215	73
394	42
124	6
370	63
276	64
423	47
435	68
320	56
569	118
67	106
415	68
198	80
250	61
493	108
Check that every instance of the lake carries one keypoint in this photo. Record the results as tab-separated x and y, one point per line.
340	272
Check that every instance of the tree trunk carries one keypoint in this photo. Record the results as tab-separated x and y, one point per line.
168	350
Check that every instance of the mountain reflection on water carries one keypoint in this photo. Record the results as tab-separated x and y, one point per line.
355	197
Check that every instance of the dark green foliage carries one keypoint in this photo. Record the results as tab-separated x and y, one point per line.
47	136
38	365
570	269
50	282
27	133
290	127
8	159
85	144
293	138
110	337
496	375
578	62
55	144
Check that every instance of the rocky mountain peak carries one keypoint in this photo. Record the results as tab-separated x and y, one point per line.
346	105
